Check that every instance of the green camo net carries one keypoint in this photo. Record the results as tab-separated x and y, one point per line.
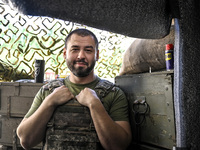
26	38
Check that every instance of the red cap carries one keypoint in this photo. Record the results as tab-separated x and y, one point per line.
169	47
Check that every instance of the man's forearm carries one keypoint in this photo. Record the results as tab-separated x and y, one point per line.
112	135
32	130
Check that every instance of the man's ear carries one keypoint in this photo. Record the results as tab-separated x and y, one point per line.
64	53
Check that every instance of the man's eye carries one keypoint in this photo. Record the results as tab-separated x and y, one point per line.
88	50
75	49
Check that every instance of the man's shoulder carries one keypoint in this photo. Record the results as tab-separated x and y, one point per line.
51	85
103	83
104	87
107	84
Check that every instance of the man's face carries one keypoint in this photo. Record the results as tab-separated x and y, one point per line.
81	55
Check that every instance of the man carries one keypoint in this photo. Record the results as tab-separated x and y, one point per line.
110	118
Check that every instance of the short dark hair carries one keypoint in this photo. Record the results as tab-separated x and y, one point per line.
82	32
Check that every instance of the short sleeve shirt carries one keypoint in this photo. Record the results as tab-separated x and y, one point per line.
115	103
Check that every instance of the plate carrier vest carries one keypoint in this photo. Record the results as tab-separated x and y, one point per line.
71	126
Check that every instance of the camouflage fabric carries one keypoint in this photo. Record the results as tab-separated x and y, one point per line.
102	88
71	128
51	85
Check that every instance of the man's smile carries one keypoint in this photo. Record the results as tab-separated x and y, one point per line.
81	63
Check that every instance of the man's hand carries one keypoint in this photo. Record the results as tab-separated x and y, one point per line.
112	134
87	96
37	122
60	96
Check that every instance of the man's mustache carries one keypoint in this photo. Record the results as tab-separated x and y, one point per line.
82	61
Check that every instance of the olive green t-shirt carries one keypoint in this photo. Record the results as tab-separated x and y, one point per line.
115	102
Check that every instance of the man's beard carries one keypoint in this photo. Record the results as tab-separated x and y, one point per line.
80	71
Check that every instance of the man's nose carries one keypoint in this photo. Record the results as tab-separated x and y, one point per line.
81	54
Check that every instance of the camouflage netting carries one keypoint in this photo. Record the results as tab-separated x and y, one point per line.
8	73
26	38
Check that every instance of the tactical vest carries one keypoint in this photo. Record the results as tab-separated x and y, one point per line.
71	126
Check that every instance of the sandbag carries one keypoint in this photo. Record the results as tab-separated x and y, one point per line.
146	54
